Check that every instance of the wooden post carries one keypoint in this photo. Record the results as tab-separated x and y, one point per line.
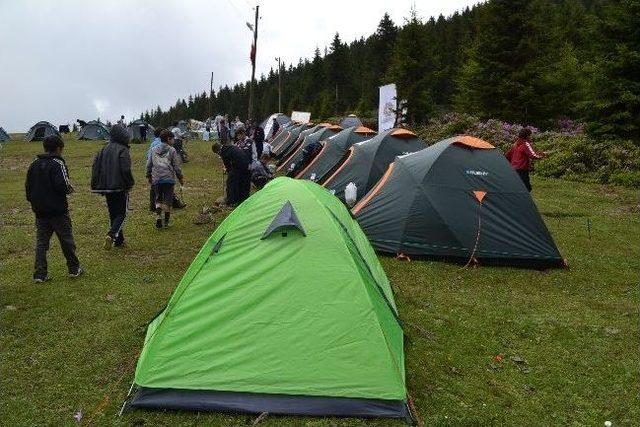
253	63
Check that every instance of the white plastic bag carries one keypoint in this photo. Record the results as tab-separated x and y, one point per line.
350	194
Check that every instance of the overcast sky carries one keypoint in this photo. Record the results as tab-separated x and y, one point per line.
66	59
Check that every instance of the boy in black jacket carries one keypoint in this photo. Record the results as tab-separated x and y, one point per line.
47	187
111	176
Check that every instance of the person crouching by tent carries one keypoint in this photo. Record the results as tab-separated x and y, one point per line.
47	186
111	176
521	156
236	165
260	172
163	168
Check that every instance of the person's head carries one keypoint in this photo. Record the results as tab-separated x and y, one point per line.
157	132
525	133
216	147
53	144
119	134
122	117
166	136
241	133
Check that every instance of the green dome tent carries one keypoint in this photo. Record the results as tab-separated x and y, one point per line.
367	161
296	155
333	153
267	124
284	152
351	120
4	136
94	130
134	129
286	137
284	310
459	199
40	131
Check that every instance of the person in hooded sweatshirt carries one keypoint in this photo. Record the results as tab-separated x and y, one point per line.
236	165
111	176
47	186
163	167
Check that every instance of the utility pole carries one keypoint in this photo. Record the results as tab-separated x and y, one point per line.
279	85
254	54
210	96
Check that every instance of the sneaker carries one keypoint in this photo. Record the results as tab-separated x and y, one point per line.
166	224
108	242
158	223
77	273
41	279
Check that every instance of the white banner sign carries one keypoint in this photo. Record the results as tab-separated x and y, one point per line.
387	107
300	117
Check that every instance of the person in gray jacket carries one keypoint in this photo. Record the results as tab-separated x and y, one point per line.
111	176
163	167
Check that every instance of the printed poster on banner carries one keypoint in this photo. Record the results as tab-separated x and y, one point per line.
387	107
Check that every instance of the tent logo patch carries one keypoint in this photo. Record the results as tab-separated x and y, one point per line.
476	173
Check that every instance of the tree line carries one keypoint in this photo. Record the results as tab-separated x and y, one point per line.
525	61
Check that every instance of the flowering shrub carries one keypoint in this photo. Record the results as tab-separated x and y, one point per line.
572	154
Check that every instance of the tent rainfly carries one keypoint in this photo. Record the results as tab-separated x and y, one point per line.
286	152
295	155
4	136
267	124
283	334
461	199
94	130
40	131
350	120
334	152
134	129
285	139
367	161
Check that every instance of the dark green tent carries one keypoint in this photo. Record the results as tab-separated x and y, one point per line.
367	161
40	131
284	152
351	120
134	130
286	310
4	136
286	137
319	135
460	199
94	130
334	152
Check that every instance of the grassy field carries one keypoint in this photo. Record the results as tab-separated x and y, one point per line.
568	339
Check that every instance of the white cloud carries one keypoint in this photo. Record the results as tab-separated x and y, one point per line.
69	59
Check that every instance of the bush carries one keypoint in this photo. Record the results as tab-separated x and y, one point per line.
572	154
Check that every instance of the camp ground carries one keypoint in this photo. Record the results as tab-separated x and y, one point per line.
367	161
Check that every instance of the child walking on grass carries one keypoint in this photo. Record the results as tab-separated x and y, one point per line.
163	168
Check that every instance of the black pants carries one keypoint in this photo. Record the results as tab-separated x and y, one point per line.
45	227
117	203
524	176
238	187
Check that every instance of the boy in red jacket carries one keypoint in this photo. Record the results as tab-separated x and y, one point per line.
521	156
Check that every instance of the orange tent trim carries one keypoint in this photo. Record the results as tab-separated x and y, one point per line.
403	133
365	130
333	175
312	162
473	142
479	195
374	190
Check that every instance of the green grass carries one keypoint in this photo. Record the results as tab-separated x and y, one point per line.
71	345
